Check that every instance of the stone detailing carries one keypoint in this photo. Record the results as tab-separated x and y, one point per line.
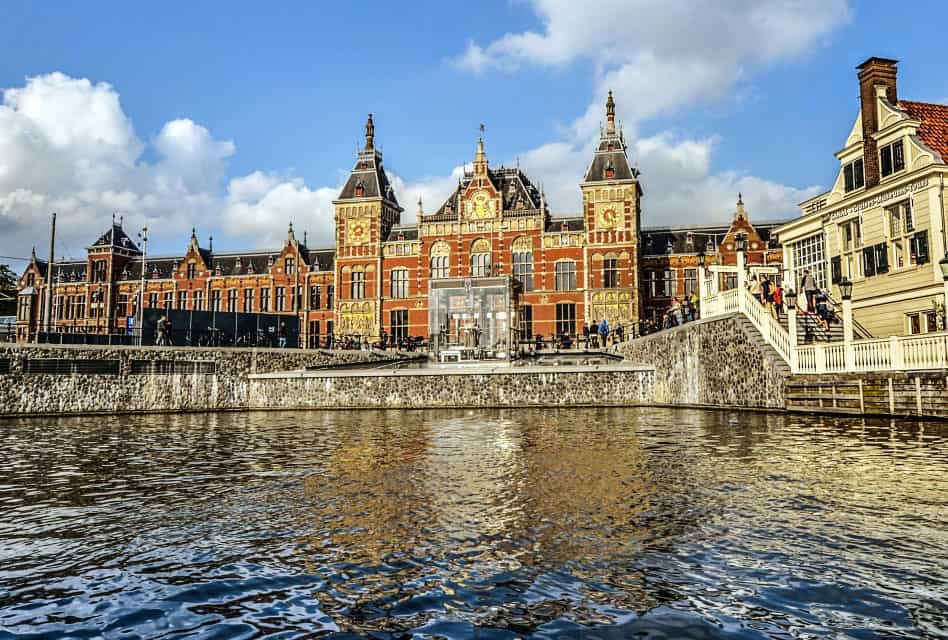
474	387
720	362
23	393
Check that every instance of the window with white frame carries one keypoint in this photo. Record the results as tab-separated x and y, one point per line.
901	230
565	275
850	242
809	254
248	300
523	268
357	286
921	322
399	283
669	283
891	158
854	176
232	300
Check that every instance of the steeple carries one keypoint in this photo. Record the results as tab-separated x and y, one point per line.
421	210
290	236
480	156
610	115
740	214
369	134
194	240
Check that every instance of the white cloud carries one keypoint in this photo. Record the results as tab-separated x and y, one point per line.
659	58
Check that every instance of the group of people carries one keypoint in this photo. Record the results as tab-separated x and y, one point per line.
768	293
681	310
597	334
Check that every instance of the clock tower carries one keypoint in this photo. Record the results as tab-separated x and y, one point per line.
611	211
366	210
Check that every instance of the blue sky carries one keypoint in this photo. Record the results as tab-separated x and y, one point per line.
239	120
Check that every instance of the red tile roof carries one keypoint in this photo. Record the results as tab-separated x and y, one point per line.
934	128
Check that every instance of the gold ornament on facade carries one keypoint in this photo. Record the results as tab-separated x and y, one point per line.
481	206
357	230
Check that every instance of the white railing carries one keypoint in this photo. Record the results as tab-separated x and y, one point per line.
897	353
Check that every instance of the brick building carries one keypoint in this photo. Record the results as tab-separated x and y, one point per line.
489	266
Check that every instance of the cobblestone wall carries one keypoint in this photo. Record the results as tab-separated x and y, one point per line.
24	393
605	385
722	362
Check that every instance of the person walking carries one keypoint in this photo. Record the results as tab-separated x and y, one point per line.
777	306
586	335
755	288
604	332
694	305
160	333
809	291
282	335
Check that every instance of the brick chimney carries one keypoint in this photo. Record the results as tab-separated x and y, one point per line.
877	77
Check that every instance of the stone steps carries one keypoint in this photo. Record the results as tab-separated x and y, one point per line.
770	355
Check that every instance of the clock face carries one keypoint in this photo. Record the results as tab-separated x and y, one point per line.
357	230
608	218
480	206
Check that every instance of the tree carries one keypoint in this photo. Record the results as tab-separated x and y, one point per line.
8	289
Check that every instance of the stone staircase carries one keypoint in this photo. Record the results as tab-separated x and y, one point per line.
810	329
771	358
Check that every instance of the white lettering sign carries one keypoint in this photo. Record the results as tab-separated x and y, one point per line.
879	199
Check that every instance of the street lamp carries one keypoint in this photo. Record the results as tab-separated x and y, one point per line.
943	265
702	260
846	289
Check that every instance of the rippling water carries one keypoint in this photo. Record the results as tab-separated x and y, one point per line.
645	523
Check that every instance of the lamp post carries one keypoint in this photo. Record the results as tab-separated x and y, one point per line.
792	327
846	292
702	260
143	235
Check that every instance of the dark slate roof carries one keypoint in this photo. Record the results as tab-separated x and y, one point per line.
408	232
64	269
516	189
116	237
554	225
322	259
369	172
611	153
657	240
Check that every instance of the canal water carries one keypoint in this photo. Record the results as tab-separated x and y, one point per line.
598	523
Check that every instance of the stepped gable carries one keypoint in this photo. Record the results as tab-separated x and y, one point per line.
368	178
933	130
610	161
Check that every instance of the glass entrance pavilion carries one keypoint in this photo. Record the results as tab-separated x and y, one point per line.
473	318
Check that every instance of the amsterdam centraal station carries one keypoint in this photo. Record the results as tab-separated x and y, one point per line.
490	268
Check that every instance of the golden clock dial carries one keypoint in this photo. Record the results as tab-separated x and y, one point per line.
608	218
358	230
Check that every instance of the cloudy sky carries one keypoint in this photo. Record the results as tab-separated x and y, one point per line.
237	122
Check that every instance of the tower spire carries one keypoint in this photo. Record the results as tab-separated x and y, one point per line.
369	134
610	114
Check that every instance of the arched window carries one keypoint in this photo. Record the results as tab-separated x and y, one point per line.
440	260
399	279
480	258
522	260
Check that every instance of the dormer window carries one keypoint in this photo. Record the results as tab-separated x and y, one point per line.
690	240
891	158
250	268
610	170
218	271
191	270
854	176
359	189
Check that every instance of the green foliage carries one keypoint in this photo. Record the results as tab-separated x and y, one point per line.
8	288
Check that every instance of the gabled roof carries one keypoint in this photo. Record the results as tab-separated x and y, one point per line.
611	154
515	188
675	239
407	232
572	223
117	238
934	128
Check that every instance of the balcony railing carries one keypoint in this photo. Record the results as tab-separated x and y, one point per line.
897	353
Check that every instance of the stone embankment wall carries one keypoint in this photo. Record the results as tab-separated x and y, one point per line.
48	380
720	362
476	386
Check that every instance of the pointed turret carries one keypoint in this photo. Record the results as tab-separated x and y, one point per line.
610	161
480	156
610	115
369	134
368	179
290	236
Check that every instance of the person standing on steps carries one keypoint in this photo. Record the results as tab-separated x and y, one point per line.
809	291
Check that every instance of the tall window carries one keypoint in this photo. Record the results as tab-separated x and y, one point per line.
891	158
199	300
440	260
566	318
279	299
357	285
169	300
610	273
264	299
215	299
399	324
248	300
315	297
399	283
691	281
99	270
313	334
192	270
153	300
232	300
523	262
850	242
669	283
901	232
182	300
439	267
565	275
480	265
526	322
809	254
288	266
330	293
854	176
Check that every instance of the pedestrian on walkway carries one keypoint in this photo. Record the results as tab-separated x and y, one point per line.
755	288
809	290
604	332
